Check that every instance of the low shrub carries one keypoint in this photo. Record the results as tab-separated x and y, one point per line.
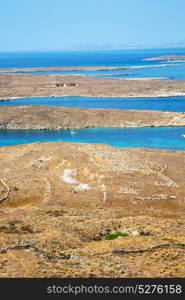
113	236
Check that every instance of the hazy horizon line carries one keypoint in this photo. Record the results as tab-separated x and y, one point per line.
90	50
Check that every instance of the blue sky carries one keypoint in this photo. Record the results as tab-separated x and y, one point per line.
27	25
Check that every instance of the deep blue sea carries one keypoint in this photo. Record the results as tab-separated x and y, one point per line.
174	104
164	72
159	138
84	58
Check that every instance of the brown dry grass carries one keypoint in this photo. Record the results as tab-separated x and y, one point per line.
56	233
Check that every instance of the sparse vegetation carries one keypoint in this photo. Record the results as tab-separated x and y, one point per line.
48	231
113	236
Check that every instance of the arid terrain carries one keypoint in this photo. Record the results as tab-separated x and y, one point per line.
59	200
75	68
44	117
31	85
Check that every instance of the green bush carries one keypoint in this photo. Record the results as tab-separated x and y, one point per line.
113	236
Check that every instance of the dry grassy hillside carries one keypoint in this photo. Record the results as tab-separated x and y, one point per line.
60	201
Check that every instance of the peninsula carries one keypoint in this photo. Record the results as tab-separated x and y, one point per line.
45	117
31	85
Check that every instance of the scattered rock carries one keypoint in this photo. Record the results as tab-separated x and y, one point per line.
82	187
55	213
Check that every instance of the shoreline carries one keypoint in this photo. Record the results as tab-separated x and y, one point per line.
86	96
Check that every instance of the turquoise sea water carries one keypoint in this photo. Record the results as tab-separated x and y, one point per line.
159	138
175	104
